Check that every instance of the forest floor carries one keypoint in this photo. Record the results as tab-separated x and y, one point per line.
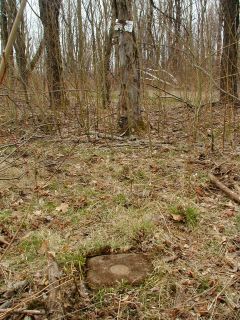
81	198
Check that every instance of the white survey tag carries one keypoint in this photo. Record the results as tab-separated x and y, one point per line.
126	25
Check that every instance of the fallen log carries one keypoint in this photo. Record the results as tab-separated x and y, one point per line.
232	195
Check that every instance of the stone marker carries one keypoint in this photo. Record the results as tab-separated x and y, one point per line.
108	270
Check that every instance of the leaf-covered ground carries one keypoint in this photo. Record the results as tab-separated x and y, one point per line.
78	199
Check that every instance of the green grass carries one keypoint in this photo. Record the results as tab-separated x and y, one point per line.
121	199
31	246
190	214
5	215
69	259
237	221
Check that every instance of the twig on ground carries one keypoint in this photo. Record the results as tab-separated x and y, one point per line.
177	98
36	295
3	240
232	195
106	135
54	305
26	312
14	237
13	178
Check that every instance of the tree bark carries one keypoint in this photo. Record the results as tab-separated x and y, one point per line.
108	44
4	24
177	35
21	52
229	69
7	53
49	13
130	118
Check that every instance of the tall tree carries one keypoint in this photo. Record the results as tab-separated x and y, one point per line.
130	118
108	42
150	35
229	59
4	24
177	33
7	19
20	50
49	13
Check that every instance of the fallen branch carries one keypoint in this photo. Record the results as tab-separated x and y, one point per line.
11	39
54	305
104	135
36	295
13	238
3	240
232	195
26	312
177	98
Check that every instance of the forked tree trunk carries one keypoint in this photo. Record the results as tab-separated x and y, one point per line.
21	51
49	13
130	118
229	69
7	19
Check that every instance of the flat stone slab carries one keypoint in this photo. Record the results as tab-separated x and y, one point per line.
109	270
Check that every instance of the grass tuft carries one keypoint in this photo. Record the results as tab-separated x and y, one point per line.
189	214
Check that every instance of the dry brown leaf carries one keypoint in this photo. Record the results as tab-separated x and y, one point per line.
199	191
63	207
37	212
202	310
17	203
3	240
230	213
177	217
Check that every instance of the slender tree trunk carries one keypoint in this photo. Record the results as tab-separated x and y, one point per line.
108	44
70	59
177	35
49	13
229	59
170	33
130	114
7	20
20	49
219	35
202	50
4	24
150	37
80	43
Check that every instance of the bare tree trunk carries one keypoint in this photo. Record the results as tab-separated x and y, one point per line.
129	110
20	49
150	36
170	40
4	24
7	19
219	35
108	43
203	4
32	64
80	43
49	13
177	35
229	69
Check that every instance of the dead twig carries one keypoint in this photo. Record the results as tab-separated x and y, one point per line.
36	295
232	195
54	305
14	237
26	312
